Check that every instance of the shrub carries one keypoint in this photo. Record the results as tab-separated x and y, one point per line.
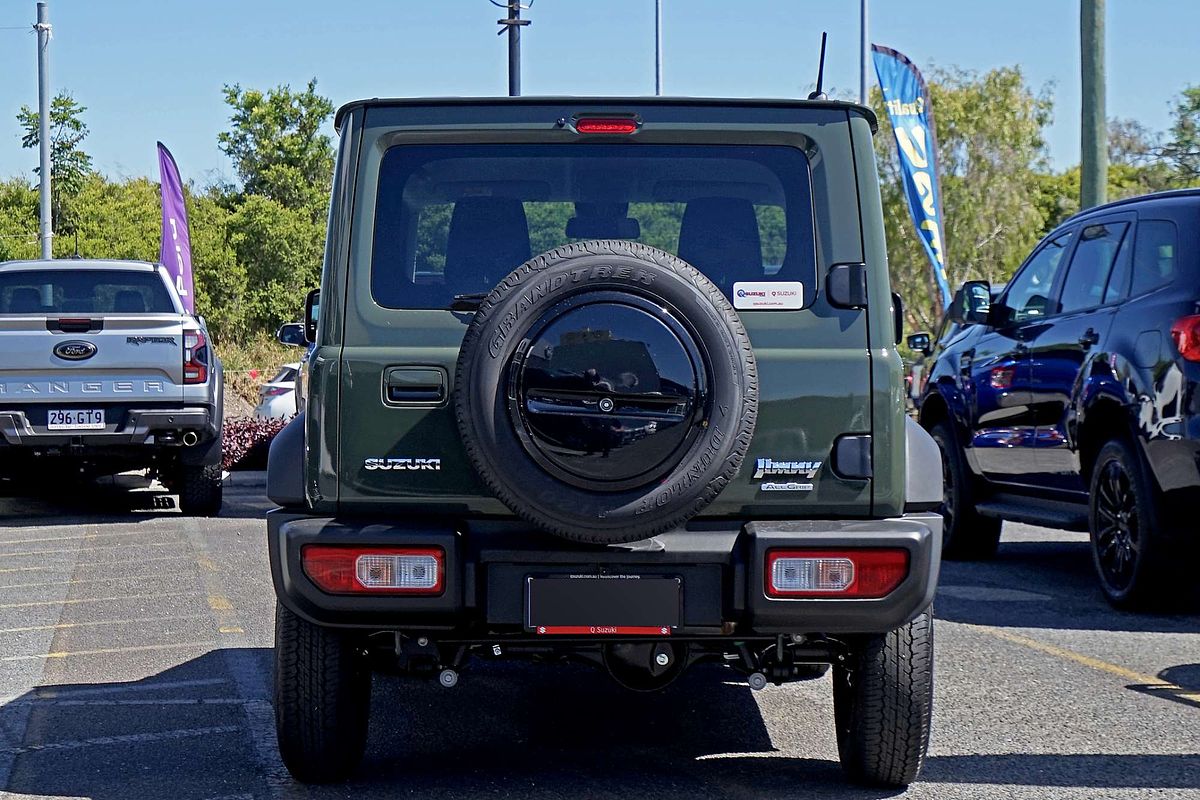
247	440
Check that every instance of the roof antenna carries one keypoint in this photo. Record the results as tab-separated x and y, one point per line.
818	94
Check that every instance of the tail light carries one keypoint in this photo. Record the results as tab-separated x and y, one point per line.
341	569
611	125
195	357
1186	335
861	573
274	391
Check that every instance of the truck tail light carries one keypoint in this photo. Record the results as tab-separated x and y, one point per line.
195	357
342	569
1186	335
861	573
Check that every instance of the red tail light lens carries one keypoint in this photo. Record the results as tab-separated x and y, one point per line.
864	574
195	357
342	569
614	125
1186	335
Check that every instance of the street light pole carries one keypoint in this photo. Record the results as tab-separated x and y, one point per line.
658	54
45	227
513	23
1093	179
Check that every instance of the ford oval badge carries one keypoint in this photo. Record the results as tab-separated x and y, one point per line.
75	350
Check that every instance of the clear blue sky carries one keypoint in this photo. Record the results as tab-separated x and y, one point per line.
153	69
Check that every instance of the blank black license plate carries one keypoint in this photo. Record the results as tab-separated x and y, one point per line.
602	604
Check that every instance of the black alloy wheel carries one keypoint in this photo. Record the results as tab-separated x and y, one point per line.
1118	536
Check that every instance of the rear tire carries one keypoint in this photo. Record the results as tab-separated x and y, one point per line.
322	699
1134	551
883	705
200	489
967	534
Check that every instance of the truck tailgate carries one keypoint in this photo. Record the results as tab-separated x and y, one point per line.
123	358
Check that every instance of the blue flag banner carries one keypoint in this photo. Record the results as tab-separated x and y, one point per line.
907	100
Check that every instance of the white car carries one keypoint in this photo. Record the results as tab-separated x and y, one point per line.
102	371
277	397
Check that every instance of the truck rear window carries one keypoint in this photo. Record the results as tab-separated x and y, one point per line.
83	291
453	220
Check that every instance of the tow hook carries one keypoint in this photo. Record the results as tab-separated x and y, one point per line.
448	678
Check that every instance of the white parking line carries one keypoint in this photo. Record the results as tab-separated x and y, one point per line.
132	738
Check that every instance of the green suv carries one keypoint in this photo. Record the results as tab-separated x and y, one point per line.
610	380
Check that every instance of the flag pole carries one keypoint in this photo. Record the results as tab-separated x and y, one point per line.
864	53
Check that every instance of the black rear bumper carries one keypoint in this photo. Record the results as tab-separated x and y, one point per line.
721	571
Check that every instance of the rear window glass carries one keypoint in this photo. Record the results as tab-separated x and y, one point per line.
455	219
1154	255
83	291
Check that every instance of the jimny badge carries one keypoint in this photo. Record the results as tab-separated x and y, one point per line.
799	473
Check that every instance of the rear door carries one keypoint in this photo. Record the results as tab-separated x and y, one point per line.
1068	352
997	369
448	201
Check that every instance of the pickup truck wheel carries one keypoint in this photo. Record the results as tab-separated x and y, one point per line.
322	699
966	533
883	705
200	489
606	391
1132	544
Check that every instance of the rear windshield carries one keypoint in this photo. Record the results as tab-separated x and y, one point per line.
455	219
83	291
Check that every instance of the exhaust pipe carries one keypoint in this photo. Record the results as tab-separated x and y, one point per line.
190	438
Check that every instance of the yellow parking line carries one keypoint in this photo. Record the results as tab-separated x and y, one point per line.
218	603
1141	680
104	651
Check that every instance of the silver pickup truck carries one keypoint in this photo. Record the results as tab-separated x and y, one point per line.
102	371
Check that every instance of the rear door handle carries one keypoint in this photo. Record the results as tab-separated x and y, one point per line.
405	385
1090	337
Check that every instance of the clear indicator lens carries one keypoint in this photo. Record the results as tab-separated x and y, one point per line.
812	574
397	571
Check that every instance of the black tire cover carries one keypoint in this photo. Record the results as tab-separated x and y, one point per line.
614	433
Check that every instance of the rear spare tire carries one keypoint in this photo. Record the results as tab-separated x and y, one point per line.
606	391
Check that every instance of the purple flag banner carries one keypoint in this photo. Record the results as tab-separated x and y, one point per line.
176	252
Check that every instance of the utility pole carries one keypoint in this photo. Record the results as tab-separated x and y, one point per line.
864	54
45	228
1093	156
658	54
513	23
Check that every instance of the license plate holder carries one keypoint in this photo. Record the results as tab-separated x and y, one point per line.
75	419
598	605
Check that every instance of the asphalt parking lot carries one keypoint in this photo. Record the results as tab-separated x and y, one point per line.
135	655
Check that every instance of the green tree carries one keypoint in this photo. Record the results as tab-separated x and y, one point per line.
991	154
1182	148
280	249
70	166
278	147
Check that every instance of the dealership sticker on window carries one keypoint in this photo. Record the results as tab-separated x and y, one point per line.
768	295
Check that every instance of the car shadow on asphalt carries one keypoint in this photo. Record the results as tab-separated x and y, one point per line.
1043	584
117	498
203	730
